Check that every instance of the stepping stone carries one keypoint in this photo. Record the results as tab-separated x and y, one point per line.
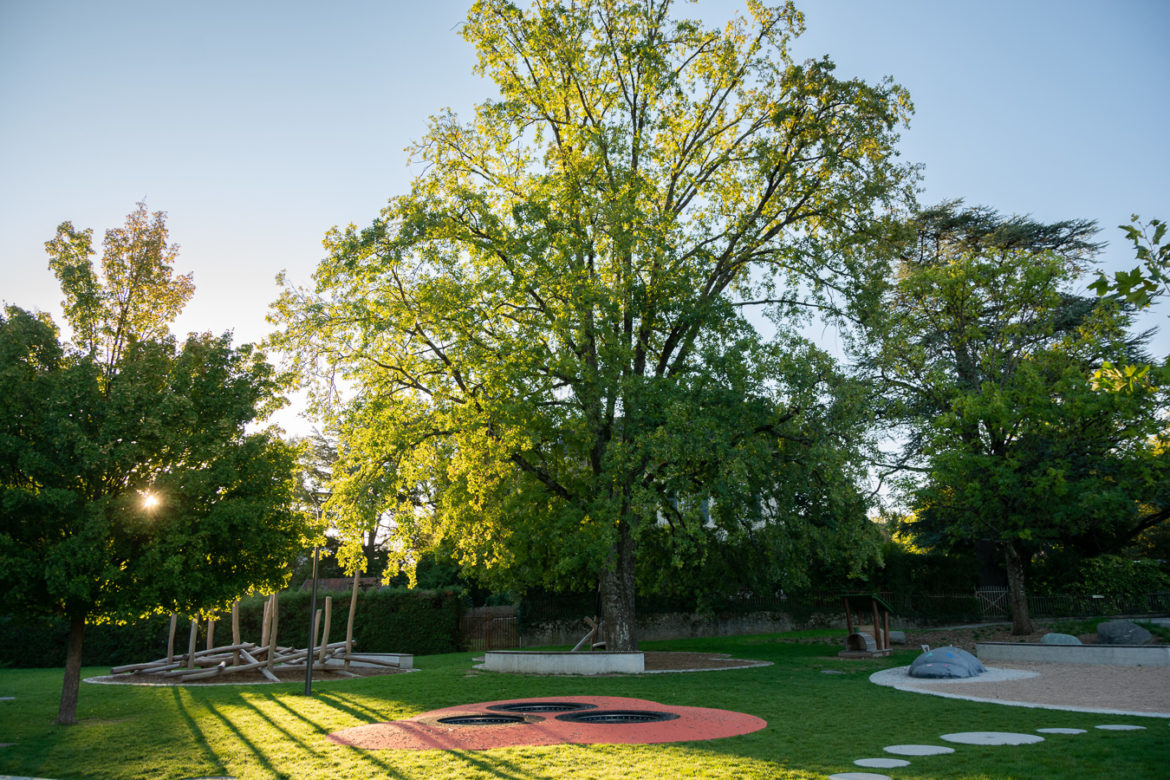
858	776
1120	727
881	763
831	671
918	750
7	698
1061	731
991	738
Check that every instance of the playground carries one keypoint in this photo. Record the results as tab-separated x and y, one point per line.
822	714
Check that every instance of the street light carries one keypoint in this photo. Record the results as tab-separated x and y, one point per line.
313	602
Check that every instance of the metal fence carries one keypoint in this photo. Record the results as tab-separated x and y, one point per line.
489	630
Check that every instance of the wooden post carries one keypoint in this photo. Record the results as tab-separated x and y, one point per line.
171	638
325	632
349	622
211	632
191	645
877	625
236	631
886	621
848	617
272	633
266	622
316	625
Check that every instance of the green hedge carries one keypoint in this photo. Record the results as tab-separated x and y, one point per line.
388	620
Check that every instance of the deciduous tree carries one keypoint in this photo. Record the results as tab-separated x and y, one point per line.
990	363
128	484
547	335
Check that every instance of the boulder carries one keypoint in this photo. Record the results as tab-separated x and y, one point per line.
944	662
897	637
1121	632
1060	639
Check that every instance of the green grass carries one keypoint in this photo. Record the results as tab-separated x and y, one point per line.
817	724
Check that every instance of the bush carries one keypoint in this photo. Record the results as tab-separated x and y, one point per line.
388	620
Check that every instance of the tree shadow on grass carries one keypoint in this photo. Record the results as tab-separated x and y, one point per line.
209	755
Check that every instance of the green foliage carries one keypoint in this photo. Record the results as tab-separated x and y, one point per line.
140	295
79	453
547	335
1140	285
1116	577
990	364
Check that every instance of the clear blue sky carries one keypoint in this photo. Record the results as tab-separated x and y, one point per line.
259	125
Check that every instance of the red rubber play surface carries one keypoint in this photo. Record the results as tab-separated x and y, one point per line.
425	732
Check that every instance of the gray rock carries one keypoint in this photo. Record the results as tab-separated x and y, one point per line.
1060	639
945	662
1121	632
897	637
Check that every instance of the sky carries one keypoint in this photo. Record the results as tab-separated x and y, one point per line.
257	126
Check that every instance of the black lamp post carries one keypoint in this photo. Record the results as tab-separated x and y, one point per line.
312	611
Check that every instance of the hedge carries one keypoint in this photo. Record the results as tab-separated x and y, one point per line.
388	620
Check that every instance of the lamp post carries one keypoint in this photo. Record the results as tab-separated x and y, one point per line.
313	605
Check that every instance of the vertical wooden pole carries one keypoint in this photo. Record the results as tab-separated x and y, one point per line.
886	621
325	632
848	617
266	622
171	638
236	631
877	626
316	626
210	632
191	645
349	622
272	634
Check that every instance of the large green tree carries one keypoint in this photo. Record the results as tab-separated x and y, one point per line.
547	336
128	484
990	365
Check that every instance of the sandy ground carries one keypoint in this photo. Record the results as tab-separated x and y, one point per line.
1132	689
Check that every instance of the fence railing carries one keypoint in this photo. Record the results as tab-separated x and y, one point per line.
480	632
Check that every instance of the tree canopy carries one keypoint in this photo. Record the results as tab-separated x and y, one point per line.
128	483
546	337
991	365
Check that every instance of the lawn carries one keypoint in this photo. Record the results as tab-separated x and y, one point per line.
817	724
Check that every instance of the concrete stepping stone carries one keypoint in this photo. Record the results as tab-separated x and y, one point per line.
991	738
1061	731
1120	727
918	750
881	763
858	776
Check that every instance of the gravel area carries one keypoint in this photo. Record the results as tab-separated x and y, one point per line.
1136	689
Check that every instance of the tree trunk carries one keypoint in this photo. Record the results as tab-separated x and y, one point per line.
67	712
617	593
1017	594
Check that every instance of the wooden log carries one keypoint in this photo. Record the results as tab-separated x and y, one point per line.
191	644
374	661
328	620
352	610
236	630
149	668
877	625
171	638
263	670
272	633
210	632
266	622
